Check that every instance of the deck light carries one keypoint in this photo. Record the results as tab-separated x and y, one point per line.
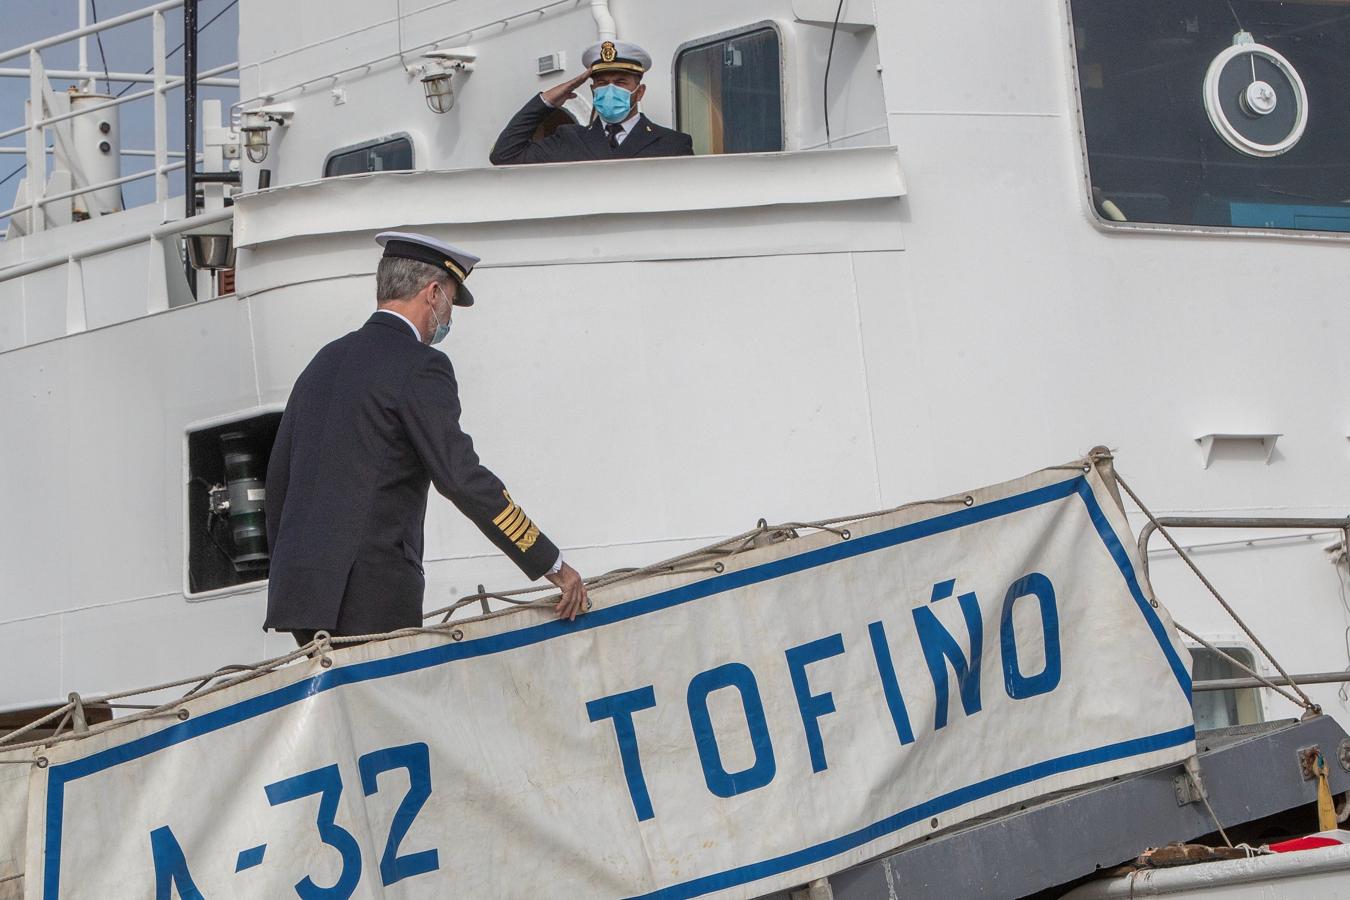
257	129
438	76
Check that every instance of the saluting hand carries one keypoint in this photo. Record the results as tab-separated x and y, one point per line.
573	589
559	94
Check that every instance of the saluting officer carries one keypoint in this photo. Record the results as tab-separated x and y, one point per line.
371	422
618	130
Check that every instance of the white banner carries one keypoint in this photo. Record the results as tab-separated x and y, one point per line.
817	703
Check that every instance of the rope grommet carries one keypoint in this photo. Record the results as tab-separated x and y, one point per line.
719	568
589	604
183	715
762	524
1087	467
1154	603
969	500
41	762
457	635
845	534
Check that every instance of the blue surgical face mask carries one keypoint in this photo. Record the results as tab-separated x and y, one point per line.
612	103
441	330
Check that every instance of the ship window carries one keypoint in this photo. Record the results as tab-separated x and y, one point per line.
729	93
384	155
227	503
1222	709
1217	113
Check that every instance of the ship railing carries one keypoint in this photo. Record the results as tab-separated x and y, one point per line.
40	90
157	294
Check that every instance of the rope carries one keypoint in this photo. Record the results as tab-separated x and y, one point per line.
1204	798
1306	701
37	723
705	559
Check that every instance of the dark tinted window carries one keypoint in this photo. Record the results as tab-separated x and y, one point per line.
1160	151
386	156
729	94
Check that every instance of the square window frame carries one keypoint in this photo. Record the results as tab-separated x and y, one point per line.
1110	226
720	37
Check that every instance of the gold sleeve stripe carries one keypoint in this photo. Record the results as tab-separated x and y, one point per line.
512	520
528	540
521	527
505	514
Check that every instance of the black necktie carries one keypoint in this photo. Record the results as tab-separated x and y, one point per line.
613	132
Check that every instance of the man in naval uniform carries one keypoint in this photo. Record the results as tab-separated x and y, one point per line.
371	422
617	131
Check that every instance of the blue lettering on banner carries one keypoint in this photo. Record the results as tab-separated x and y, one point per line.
327	783
61	776
939	647
721	782
813	706
890	685
171	868
249	858
620	708
1021	686
416	758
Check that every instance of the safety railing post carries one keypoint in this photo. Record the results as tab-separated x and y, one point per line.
161	114
36	177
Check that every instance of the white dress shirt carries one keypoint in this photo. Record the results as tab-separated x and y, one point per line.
557	566
405	320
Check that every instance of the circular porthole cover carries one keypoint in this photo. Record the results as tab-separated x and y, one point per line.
1255	98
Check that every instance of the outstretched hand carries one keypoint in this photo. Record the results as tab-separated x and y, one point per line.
561	93
573	589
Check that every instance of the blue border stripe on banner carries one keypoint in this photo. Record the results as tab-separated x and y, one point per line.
936	806
60	775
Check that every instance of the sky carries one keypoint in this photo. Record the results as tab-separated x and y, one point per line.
127	48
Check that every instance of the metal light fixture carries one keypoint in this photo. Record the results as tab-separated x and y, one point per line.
438	76
257	129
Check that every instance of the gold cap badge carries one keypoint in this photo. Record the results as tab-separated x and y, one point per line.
607	52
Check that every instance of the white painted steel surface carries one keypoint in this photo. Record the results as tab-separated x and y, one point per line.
658	364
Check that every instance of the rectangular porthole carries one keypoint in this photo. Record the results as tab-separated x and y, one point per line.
226	504
1223	709
729	93
389	154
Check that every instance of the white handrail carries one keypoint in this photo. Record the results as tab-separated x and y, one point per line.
167	229
175	154
75	192
132	16
169	84
38	77
136	77
500	20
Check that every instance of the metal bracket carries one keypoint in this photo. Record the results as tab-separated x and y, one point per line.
1307	762
1189	786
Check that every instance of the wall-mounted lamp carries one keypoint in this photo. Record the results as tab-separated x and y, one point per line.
438	73
256	128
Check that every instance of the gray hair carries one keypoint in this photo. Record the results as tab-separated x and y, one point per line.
398	278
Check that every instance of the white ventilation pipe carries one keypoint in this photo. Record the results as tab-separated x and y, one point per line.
604	20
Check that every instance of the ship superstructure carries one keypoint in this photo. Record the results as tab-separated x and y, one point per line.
922	246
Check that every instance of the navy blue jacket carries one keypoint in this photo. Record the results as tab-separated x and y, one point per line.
371	423
574	143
